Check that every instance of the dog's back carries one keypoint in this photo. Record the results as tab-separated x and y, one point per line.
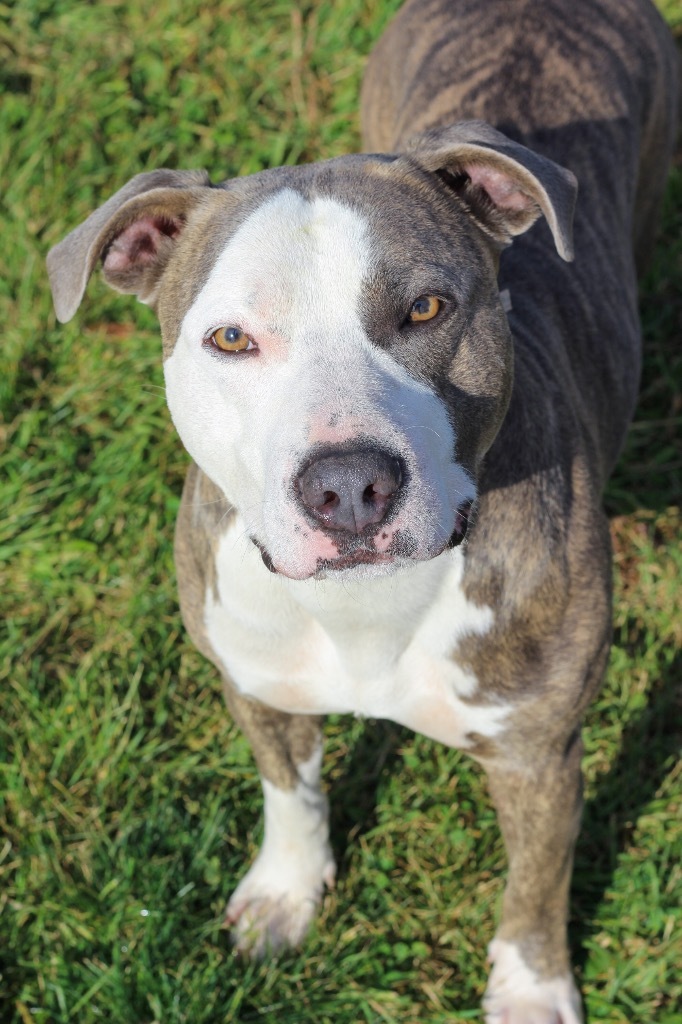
569	78
590	84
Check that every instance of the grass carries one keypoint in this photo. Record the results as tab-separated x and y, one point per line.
129	802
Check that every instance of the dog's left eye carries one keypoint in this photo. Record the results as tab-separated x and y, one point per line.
232	339
424	308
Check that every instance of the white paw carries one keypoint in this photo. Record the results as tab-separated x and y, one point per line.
269	912
516	995
275	903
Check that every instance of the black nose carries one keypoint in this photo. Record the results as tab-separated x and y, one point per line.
350	490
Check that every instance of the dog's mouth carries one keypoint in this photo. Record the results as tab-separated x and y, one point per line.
462	519
362	556
267	560
359	554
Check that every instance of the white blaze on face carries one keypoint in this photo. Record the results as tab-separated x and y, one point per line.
291	277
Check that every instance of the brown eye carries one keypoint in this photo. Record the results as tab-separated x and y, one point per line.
232	339
424	308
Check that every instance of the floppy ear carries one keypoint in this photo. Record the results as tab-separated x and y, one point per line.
134	234
504	185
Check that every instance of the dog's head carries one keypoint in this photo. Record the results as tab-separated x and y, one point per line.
337	359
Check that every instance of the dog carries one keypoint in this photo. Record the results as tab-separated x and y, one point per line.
401	424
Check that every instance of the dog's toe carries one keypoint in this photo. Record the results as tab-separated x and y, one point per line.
525	1012
516	995
263	925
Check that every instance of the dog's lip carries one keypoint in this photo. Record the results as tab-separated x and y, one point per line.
265	555
361	556
462	520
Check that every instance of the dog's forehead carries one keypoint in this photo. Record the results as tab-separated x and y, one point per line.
315	229
294	262
302	242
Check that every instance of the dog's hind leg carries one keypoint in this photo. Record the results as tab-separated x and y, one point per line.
277	899
539	812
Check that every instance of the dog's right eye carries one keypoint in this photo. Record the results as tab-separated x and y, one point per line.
232	339
424	308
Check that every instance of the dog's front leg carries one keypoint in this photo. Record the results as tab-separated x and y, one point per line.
538	806
277	899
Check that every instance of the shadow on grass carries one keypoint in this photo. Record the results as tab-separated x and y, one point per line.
356	791
649	743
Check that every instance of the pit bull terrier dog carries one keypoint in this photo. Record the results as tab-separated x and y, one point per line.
365	371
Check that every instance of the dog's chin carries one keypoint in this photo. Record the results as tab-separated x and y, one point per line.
360	566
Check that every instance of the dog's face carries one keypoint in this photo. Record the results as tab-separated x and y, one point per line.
327	374
337	360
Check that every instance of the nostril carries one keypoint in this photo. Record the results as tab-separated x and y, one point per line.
330	500
376	496
388	481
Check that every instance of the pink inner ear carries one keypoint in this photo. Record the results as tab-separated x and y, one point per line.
502	189
138	244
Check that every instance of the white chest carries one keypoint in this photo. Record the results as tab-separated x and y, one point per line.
381	648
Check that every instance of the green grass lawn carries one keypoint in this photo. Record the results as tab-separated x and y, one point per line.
129	803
